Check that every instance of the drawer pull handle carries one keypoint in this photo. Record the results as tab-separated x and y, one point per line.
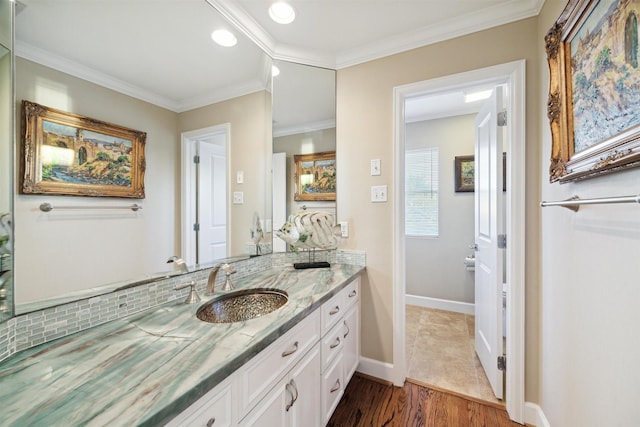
294	397
348	330
335	387
211	421
353	293
334	310
335	344
290	352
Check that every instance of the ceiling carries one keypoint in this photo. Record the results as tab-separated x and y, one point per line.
160	50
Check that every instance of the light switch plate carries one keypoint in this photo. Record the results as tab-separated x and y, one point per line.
240	177
379	193
238	197
344	228
375	167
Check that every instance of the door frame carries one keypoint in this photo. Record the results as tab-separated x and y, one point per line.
511	74
188	195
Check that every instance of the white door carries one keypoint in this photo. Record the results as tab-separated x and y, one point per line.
488	226
212	202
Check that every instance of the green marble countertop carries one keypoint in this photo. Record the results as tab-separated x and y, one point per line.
147	368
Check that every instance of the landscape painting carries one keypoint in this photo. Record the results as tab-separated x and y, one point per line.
594	89
606	78
315	176
74	155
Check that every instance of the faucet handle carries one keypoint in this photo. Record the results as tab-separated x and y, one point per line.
193	297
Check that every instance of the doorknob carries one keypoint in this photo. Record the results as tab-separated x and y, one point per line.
474	246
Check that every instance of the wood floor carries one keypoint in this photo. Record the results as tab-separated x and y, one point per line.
371	403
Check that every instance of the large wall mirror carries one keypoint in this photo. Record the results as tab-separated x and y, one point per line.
70	56
6	159
304	122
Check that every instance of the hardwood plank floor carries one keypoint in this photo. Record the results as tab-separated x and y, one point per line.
374	404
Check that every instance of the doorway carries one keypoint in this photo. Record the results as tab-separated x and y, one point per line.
512	75
205	194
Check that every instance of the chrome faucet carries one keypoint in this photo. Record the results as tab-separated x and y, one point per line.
228	286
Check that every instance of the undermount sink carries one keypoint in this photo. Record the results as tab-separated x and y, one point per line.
242	305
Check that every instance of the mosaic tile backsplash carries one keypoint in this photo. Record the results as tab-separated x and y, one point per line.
31	329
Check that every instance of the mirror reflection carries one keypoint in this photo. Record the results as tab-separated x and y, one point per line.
304	122
163	76
6	156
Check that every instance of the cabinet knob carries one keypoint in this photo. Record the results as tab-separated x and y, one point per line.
335	387
211	421
353	293
334	310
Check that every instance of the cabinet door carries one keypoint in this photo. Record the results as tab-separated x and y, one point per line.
351	336
305	380
270	411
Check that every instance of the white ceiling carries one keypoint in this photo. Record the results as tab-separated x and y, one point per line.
160	50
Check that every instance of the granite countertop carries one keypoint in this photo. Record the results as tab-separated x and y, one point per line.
147	368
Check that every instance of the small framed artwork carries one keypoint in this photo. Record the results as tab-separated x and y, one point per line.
465	173
68	154
594	96
315	176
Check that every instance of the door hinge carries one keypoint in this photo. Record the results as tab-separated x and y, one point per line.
502	241
502	363
196	227
196	159
502	118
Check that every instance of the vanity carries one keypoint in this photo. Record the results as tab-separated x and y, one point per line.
163	365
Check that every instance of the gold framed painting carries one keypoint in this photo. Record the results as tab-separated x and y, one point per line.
315	176
594	89
68	154
464	173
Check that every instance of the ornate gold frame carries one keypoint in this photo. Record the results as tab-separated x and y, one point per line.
302	160
616	153
32	154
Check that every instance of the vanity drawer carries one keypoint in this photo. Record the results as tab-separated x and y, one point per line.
332	311
332	344
216	408
351	293
261	372
332	388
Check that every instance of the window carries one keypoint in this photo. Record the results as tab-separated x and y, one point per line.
421	192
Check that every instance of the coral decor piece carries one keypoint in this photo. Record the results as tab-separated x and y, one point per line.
309	230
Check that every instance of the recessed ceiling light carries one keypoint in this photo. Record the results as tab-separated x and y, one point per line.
282	12
224	38
275	71
477	96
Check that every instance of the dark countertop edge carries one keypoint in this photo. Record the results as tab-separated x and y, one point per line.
171	411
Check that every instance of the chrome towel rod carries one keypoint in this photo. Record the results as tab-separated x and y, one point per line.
575	202
48	207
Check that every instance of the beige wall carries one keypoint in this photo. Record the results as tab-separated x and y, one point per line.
588	340
250	119
365	131
434	266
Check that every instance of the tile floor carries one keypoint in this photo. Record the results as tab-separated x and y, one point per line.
440	352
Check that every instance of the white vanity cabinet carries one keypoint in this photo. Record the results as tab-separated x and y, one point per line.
294	401
297	380
340	345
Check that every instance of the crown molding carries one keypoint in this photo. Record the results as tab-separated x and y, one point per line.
304	128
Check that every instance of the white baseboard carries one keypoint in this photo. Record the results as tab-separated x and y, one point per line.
534	415
375	368
440	304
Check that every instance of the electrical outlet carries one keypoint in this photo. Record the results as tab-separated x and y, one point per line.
344	228
379	193
238	197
